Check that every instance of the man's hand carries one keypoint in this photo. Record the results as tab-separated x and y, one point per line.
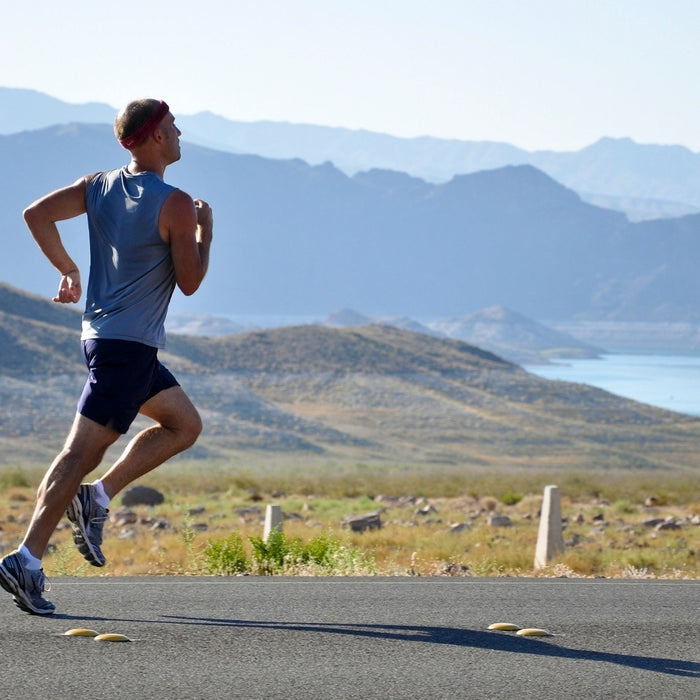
205	221
69	288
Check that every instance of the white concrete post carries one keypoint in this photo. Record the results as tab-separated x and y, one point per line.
273	520
550	538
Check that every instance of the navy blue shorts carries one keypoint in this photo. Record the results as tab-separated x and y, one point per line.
123	375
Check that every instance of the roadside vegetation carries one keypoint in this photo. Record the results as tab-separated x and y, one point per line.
436	520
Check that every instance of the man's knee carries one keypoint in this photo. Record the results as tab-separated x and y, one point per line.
187	426
191	429
173	410
87	442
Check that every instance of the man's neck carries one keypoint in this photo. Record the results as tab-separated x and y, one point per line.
138	165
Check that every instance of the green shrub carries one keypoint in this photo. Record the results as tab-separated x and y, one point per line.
226	557
279	554
14	477
269	555
511	499
321	550
486	566
624	506
647	560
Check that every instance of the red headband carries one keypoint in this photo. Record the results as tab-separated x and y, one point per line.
147	129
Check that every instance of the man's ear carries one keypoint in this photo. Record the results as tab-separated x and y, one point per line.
158	135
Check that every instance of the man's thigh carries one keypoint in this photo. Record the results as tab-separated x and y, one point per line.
88	439
172	408
123	375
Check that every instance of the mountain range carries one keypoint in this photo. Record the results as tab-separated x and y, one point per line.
645	181
502	331
327	396
293	239
300	239
506	333
482	252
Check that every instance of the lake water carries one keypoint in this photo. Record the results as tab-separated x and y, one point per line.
666	381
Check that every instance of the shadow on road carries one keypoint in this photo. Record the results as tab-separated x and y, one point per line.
497	641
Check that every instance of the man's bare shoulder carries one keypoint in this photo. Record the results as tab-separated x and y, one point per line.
178	215
179	201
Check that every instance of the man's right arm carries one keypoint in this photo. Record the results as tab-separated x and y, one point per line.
41	217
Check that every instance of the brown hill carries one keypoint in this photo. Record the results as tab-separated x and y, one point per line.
37	348
374	393
382	393
37	336
368	349
37	308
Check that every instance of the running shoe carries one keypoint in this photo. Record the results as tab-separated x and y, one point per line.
26	585
87	517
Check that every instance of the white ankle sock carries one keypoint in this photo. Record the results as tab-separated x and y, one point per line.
100	495
28	559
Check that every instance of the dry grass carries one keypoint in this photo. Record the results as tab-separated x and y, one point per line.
435	521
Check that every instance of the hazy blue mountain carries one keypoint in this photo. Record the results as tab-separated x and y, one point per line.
648	181
622	168
513	336
497	329
640	208
351	150
25	110
346	318
204	324
298	239
644	181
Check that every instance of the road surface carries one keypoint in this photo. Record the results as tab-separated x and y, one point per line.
251	637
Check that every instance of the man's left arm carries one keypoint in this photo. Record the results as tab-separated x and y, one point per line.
187	225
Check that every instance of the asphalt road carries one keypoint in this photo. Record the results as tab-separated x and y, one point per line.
255	637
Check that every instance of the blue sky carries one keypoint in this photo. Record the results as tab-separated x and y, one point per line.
540	74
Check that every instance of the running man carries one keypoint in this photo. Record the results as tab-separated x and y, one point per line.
146	237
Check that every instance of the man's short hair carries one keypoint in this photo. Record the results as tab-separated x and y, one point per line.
131	120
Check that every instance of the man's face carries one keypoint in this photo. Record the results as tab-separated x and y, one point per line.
171	136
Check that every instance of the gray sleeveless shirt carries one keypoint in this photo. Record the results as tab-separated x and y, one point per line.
131	272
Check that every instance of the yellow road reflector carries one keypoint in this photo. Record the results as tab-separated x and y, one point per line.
533	632
504	626
80	632
111	638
